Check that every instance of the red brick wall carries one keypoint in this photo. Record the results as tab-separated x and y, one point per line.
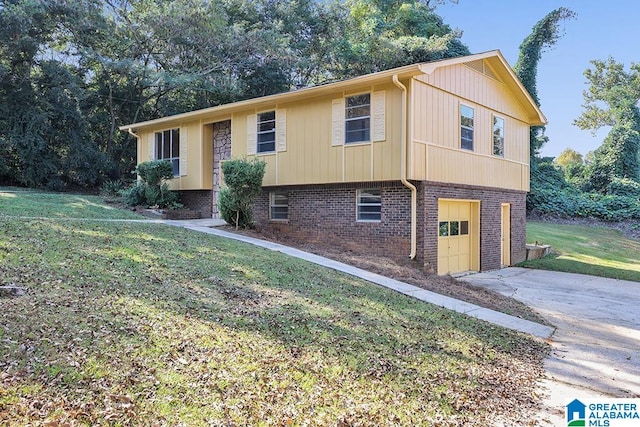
327	214
490	221
197	200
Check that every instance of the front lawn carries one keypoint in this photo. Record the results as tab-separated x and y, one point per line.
598	251
37	204
143	324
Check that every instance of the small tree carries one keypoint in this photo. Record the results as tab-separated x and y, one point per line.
243	179
151	190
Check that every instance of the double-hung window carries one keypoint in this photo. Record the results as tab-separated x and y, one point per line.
266	132
278	206
358	118
369	205
168	148
498	136
466	127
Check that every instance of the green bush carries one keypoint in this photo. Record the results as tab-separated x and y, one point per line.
134	195
624	187
151	190
243	179
111	189
571	203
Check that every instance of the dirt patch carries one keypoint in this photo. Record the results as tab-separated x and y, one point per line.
406	272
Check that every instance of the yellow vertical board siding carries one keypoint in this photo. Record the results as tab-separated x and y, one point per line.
194	179
465	167
473	85
357	159
190	134
207	156
525	178
310	158
270	170
386	154
418	165
437	155
239	134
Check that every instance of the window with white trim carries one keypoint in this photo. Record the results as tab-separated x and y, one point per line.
357	113
498	136
266	132
466	127
369	205
278	206
168	148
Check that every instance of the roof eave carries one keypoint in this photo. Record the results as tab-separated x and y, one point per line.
401	72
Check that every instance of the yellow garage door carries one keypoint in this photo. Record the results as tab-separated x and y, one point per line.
456	230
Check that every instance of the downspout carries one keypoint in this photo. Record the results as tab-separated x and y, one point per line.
403	168
132	133
138	144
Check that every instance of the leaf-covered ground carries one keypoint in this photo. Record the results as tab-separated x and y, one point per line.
142	324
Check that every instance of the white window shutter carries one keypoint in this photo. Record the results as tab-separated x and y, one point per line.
281	130
183	151
337	122
251	134
378	116
151	146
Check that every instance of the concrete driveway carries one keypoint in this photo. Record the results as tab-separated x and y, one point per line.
596	347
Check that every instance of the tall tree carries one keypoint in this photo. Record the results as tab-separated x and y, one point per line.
42	126
378	35
612	100
544	35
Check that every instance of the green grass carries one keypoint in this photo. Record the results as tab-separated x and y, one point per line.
34	204
597	251
142	324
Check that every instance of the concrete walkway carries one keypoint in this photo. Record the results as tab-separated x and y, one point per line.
495	317
596	347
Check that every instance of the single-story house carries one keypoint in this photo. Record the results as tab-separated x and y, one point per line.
427	161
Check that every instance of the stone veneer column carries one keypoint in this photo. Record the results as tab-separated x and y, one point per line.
221	151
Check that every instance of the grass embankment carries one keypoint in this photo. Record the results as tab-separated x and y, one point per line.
143	324
598	251
33	204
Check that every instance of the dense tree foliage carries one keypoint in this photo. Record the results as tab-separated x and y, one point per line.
71	71
612	100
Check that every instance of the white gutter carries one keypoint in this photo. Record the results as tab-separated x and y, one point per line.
132	133
403	168
138	145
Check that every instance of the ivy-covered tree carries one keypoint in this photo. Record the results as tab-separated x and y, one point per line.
544	35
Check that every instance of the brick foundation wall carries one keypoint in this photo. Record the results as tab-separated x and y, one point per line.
490	221
197	200
327	214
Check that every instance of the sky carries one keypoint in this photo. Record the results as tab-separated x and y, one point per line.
602	29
